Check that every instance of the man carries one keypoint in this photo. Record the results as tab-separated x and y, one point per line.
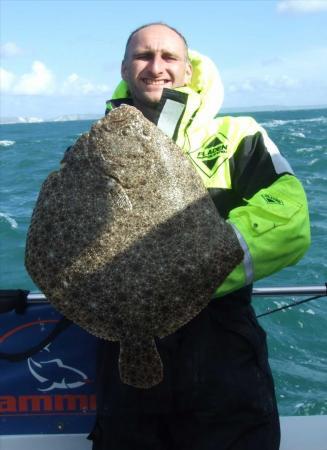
217	391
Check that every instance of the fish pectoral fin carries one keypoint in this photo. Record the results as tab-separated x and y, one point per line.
140	364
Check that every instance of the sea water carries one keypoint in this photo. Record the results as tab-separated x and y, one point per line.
297	337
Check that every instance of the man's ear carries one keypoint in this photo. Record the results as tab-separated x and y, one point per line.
123	70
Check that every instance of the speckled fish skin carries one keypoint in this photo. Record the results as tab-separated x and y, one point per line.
126	242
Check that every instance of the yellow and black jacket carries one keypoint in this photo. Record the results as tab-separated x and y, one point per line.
251	183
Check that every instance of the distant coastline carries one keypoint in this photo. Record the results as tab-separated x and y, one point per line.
61	118
224	110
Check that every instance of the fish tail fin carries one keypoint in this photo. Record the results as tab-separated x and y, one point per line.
140	364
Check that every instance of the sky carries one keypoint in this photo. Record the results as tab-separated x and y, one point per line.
63	56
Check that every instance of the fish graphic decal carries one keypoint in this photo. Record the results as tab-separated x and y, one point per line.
54	374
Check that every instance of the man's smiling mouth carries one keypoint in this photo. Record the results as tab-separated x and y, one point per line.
150	81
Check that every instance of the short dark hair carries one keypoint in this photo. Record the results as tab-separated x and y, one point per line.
149	25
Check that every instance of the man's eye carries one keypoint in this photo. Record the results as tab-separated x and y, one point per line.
143	56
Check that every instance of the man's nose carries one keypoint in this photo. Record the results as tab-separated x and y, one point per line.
156	65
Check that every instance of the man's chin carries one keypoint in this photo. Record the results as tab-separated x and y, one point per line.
150	101
154	98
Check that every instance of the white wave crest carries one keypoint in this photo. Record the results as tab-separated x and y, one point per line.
311	163
309	149
277	123
12	222
7	143
298	134
273	123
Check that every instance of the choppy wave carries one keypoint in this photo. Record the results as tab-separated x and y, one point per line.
309	149
297	134
6	218
309	408
5	143
278	122
313	161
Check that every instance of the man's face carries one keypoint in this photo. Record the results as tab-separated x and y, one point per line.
156	59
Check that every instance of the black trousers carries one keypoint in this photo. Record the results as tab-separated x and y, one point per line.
217	393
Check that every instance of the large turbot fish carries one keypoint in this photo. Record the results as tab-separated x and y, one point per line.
126	242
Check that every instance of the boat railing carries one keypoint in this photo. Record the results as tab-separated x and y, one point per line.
321	290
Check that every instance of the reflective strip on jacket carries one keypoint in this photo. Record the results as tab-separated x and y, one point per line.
251	183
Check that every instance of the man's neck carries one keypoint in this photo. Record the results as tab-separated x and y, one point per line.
149	111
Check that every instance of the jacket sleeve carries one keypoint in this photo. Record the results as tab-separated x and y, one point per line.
272	223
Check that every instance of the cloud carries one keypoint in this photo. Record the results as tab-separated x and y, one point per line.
260	80
242	86
9	49
295	78
309	64
39	81
301	6
6	80
74	84
265	83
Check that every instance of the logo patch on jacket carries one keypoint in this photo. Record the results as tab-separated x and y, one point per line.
208	158
272	200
